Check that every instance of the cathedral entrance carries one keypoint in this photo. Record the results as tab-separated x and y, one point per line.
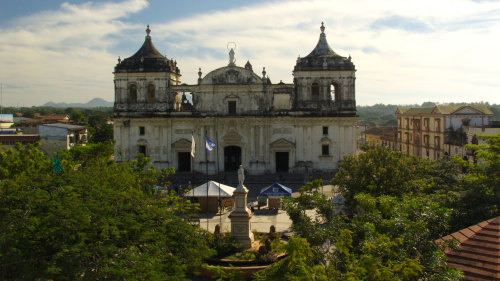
281	161
184	161
232	158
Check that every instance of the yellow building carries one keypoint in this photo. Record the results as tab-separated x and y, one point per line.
431	132
381	137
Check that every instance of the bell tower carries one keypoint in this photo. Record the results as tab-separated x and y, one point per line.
325	81
142	82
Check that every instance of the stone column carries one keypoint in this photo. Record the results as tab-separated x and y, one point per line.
241	215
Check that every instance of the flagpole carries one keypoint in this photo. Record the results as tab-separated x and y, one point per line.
193	151
206	168
218	171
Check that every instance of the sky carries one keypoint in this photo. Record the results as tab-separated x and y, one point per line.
405	51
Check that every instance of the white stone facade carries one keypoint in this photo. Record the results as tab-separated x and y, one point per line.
296	128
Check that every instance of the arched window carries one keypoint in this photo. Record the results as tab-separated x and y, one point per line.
151	93
334	92
132	93
315	91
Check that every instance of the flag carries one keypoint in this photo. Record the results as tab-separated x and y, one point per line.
209	145
193	146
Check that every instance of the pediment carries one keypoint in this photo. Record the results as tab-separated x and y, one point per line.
467	110
282	143
231	97
182	144
325	140
232	137
230	75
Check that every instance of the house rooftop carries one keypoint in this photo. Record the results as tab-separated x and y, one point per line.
479	253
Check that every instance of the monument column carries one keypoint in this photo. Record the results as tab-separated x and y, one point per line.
240	217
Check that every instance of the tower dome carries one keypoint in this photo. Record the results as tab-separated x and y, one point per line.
147	59
323	57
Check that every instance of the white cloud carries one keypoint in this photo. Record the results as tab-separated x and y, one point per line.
428	50
65	54
62	55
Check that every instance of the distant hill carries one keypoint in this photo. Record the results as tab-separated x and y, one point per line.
97	102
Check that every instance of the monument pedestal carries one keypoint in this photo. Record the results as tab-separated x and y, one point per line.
240	218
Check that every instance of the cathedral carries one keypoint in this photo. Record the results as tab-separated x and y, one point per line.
267	128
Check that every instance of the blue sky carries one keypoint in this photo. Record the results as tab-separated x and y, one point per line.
405	51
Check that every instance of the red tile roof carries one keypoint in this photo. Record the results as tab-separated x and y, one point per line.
479	253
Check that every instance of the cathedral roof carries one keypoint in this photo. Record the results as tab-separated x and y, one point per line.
232	74
323	57
147	59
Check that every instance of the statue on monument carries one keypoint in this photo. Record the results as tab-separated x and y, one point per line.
231	57
241	175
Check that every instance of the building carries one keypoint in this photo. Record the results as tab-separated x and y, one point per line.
6	121
479	254
30	125
54	137
9	140
432	132
305	126
381	137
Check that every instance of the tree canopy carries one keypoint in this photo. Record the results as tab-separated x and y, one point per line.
96	220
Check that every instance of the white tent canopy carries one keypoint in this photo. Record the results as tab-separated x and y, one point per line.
213	190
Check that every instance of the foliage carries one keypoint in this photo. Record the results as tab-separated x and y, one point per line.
379	171
455	137
97	220
480	197
296	265
398	207
224	245
220	273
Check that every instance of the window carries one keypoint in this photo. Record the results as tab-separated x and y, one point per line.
325	150
315	91
231	106
325	130
438	124
334	93
416	124
142	131
407	120
426	124
151	93
142	149
133	93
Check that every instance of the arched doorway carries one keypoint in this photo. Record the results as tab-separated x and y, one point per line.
232	158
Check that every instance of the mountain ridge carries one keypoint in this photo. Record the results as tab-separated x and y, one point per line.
95	102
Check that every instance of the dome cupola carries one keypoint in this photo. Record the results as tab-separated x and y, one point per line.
147	59
323	57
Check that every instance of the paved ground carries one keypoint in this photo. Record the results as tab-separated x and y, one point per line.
261	220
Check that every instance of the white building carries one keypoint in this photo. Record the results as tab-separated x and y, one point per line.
268	128
54	137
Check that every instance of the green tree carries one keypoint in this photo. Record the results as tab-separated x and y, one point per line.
397	208
97	220
379	171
